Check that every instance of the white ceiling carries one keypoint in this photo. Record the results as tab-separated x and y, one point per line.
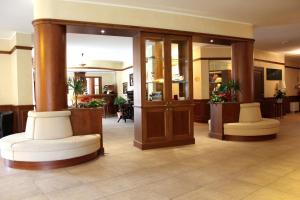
277	22
98	47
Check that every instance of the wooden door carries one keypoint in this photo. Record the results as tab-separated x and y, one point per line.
258	83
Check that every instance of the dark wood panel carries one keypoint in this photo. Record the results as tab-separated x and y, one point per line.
20	115
242	70
220	114
258	83
156	123
250	138
51	164
50	64
181	121
201	110
87	121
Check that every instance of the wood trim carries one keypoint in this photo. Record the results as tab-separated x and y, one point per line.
292	67
212	58
103	68
269	61
16	48
129	29
173	143
250	138
52	164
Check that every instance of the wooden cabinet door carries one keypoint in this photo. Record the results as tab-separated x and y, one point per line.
181	125
155	122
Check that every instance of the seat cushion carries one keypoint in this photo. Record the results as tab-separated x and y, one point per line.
48	150
250	112
263	127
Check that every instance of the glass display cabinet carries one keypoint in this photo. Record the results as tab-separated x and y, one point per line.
163	104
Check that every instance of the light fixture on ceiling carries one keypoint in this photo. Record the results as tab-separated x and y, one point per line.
102	31
82	64
294	52
211	41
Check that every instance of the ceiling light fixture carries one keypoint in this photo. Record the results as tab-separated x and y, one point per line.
82	64
211	41
102	31
294	52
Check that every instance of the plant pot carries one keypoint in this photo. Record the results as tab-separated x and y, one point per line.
280	100
119	114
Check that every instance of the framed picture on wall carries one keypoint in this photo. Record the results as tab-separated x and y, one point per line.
125	86
131	79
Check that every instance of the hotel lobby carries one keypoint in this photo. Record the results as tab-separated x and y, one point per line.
108	99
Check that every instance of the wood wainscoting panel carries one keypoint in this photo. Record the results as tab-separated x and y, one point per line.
201	110
20	115
222	113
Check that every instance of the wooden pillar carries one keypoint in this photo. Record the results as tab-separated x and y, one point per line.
50	63
242	70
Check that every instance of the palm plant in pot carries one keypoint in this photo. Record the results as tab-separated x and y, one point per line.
119	101
78	88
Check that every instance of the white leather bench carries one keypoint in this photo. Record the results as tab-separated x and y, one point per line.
251	125
48	138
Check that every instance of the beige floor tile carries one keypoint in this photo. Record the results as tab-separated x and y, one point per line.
205	194
86	192
209	170
269	194
57	183
287	185
234	188
256	176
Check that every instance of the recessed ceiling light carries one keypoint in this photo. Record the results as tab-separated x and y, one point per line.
102	31
211	41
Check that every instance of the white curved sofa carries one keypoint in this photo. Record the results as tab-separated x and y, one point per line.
251	125
48	138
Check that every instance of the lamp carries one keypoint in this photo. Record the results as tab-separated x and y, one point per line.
82	64
281	85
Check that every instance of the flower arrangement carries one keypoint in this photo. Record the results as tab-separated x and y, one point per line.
279	95
89	102
225	93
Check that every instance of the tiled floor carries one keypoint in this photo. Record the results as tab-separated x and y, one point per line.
209	170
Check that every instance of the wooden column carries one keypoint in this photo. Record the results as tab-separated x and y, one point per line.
242	70
50	63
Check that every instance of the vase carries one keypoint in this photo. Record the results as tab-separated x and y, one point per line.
279	100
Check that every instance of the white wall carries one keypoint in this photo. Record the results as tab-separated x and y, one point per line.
6	89
91	12
16	71
269	85
292	79
123	76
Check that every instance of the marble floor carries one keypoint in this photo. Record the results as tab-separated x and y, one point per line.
209	170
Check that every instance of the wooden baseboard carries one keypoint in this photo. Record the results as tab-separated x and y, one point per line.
250	138
52	164
145	146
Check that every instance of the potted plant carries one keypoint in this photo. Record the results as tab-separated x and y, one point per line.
279	95
119	101
78	88
225	93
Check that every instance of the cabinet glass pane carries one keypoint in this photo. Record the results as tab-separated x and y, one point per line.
154	70
180	67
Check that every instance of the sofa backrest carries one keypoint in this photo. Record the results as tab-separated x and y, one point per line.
250	112
48	125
